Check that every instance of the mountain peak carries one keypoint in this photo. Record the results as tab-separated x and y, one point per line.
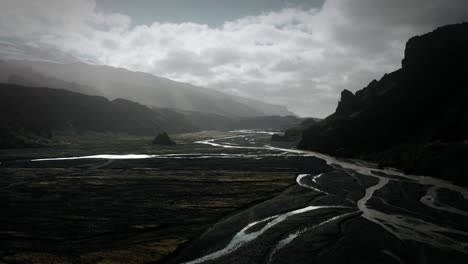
441	48
347	103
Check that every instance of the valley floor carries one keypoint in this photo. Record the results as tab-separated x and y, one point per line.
220	198
129	211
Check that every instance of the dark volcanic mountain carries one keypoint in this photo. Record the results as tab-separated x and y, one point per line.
415	118
30	115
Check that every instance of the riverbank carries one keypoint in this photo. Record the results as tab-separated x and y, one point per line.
356	213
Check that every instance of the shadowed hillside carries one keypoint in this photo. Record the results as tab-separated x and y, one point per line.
30	116
415	118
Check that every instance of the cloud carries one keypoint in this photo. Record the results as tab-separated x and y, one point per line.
299	58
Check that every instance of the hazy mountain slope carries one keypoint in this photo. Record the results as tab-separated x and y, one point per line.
267	122
264	108
29	115
415	118
207	121
20	74
151	90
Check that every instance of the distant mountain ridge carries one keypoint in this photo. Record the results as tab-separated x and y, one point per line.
31	116
139	87
15	73
415	118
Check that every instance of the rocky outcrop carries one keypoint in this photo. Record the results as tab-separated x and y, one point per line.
347	103
415	118
163	139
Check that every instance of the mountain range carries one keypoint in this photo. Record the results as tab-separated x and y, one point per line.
31	116
40	98
139	87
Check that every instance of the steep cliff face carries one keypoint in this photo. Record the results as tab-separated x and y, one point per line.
347	103
415	118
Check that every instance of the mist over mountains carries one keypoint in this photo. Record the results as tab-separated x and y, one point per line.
32	116
140	87
41	98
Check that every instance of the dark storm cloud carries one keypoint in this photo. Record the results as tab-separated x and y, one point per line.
299	57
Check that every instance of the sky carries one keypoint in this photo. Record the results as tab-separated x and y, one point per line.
210	12
297	53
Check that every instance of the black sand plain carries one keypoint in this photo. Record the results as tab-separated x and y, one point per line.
231	198
128	211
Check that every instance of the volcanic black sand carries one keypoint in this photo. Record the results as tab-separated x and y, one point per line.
230	199
130	210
